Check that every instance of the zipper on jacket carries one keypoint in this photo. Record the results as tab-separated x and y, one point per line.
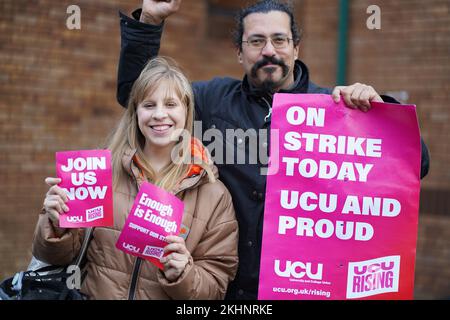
269	114
134	278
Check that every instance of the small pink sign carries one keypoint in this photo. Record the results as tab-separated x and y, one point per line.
156	214
87	179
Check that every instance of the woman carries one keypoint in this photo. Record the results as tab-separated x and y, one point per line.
149	145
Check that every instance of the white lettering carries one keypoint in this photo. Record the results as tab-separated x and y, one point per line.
325	228
314	116
82	193
80	164
326	169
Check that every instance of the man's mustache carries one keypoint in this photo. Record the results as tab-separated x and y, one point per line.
266	61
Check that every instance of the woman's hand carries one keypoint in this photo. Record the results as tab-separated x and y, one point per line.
177	258
55	200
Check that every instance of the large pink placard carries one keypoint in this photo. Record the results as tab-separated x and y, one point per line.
156	214
342	200
87	179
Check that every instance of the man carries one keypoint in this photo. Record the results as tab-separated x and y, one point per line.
267	42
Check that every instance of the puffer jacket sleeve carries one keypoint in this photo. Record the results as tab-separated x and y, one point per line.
55	245
214	261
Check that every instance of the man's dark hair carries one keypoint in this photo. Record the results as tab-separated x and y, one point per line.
264	6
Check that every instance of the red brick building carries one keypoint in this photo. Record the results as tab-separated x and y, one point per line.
57	92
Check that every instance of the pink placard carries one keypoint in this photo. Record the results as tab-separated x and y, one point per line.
156	214
87	179
342	198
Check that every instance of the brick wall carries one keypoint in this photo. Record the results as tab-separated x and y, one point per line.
57	89
432	279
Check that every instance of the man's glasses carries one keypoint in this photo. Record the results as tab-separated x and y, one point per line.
278	42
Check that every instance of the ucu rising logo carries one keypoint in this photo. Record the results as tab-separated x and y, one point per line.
75	219
372	277
130	247
298	270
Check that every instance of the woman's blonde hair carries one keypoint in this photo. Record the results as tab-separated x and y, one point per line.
128	135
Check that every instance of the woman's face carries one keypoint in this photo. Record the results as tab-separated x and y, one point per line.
159	115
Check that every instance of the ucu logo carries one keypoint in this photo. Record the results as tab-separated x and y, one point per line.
298	270
372	277
75	219
130	247
375	267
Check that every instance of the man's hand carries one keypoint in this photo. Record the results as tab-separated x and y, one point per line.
155	11
356	96
177	259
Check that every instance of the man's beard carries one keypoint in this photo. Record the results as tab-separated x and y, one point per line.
269	84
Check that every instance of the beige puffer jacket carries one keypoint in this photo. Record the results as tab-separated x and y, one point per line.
212	241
